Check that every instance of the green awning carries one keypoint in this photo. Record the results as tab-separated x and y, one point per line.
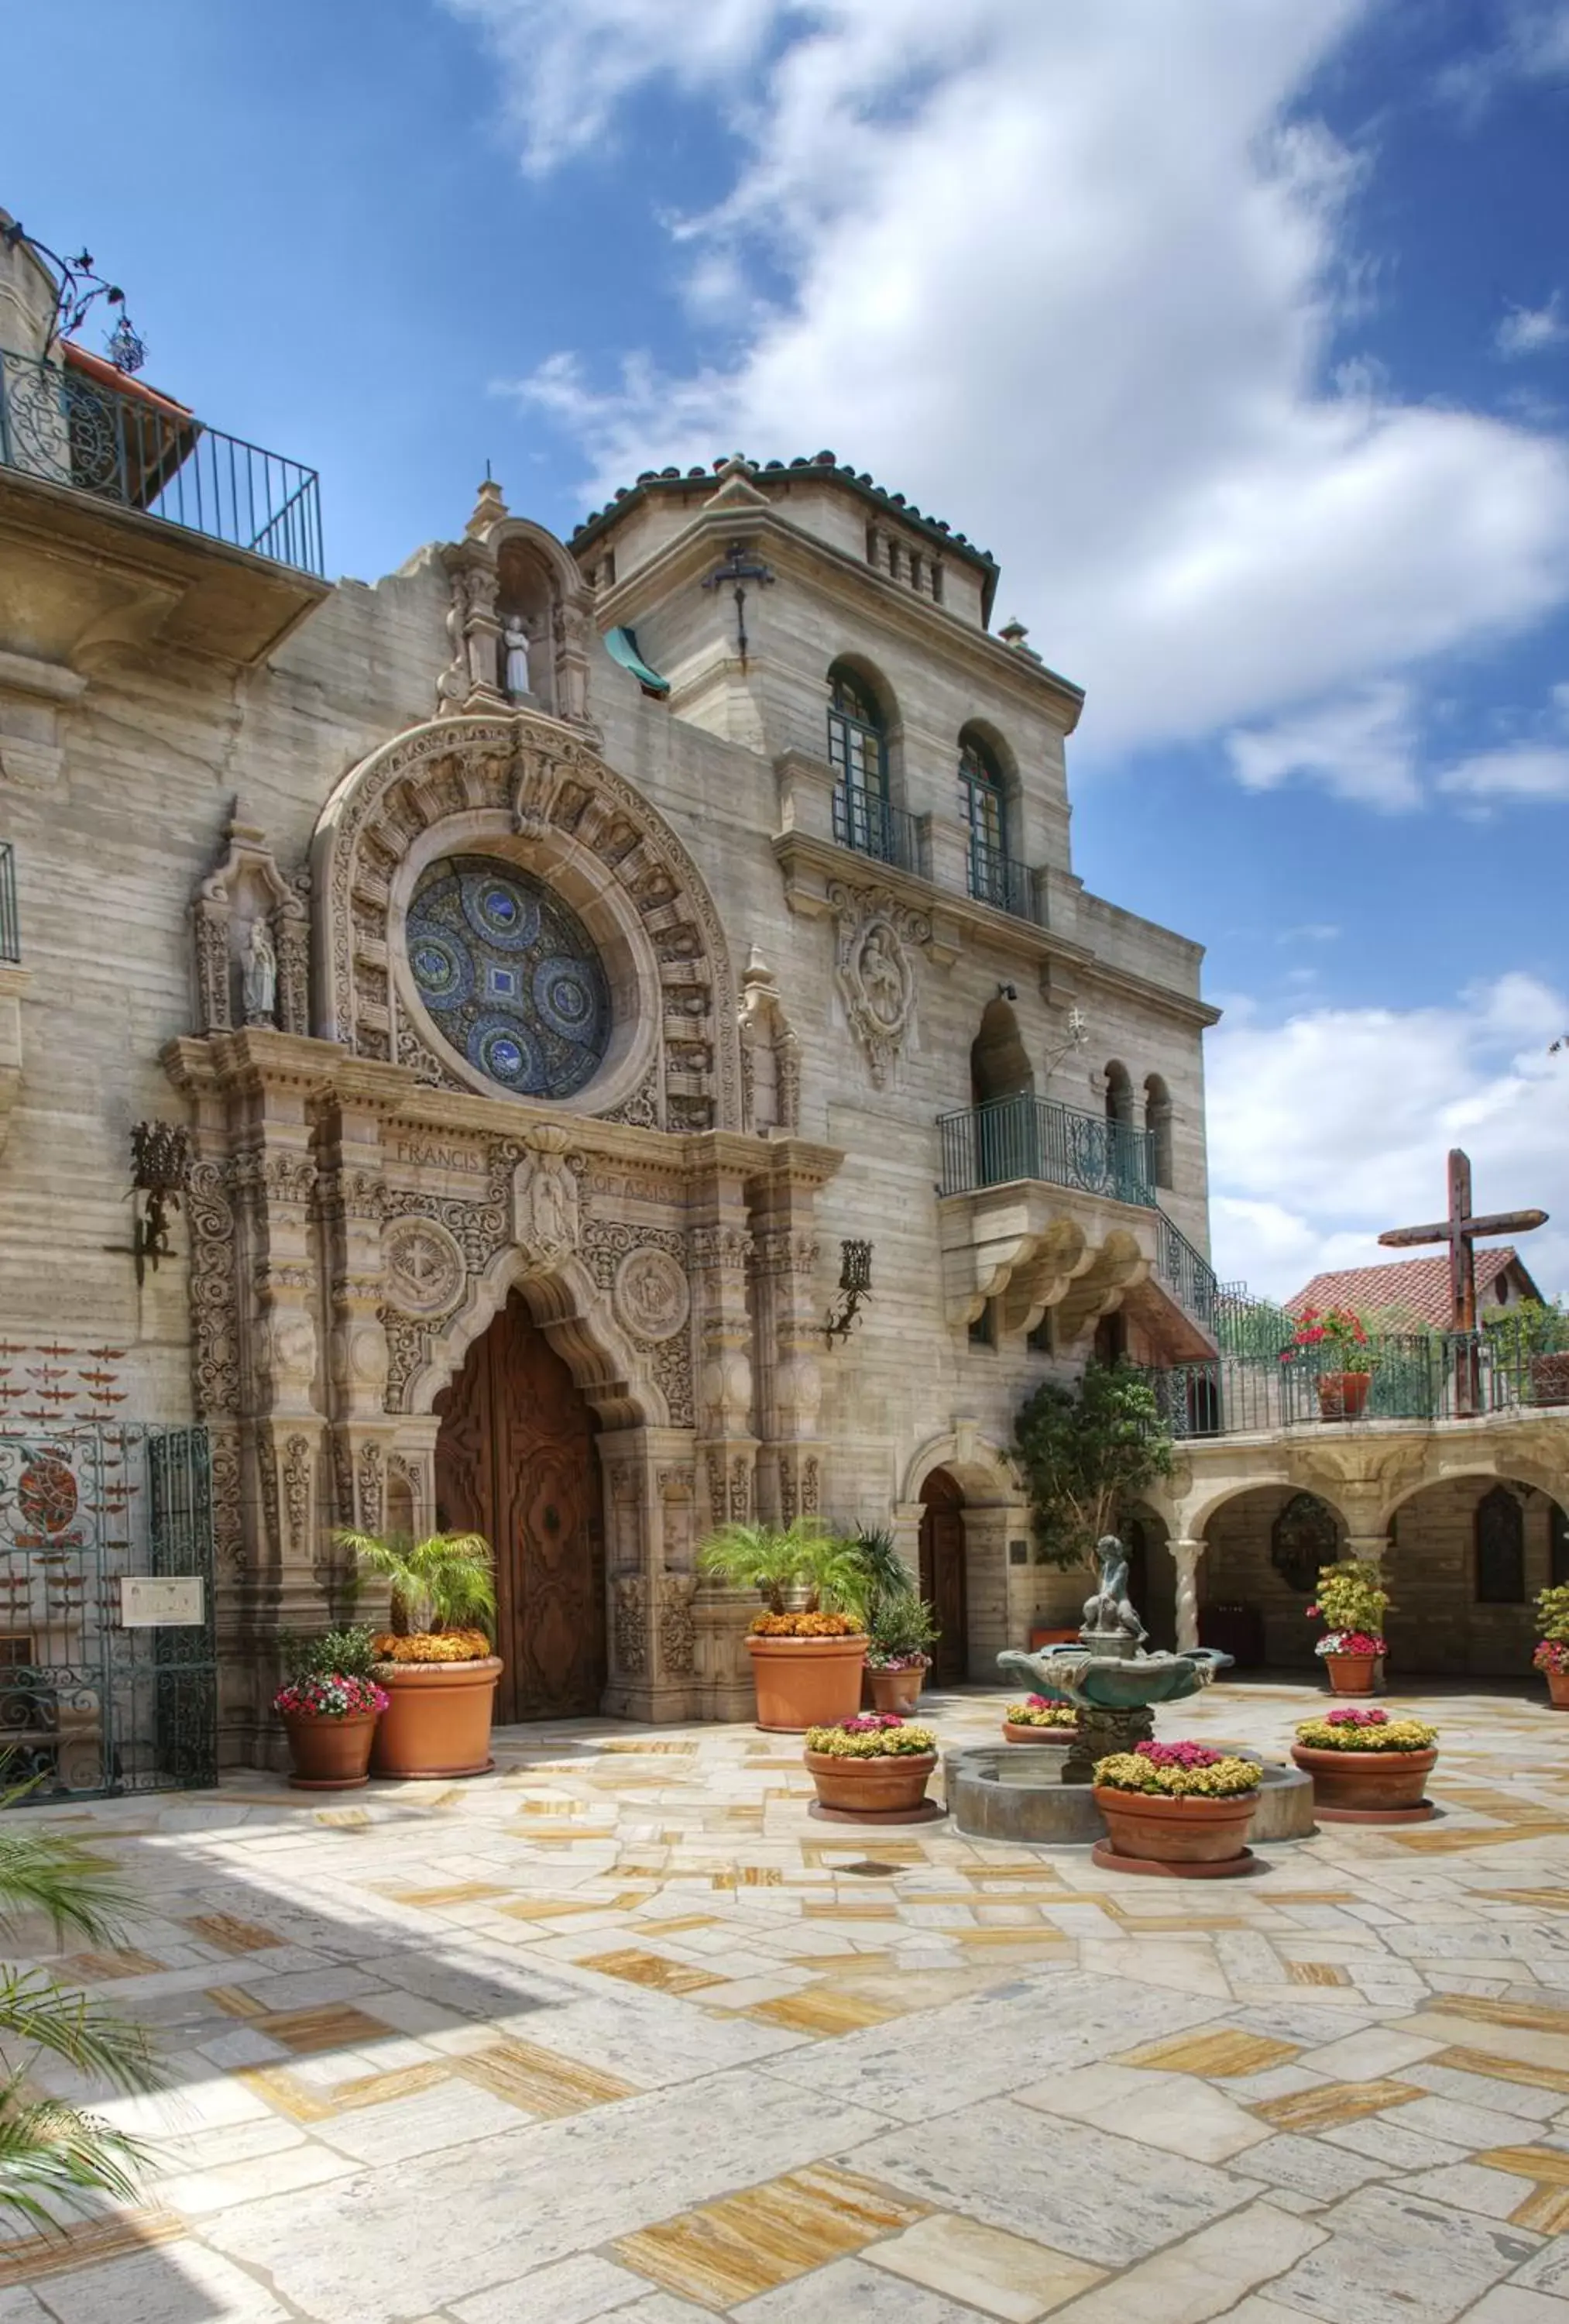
622	646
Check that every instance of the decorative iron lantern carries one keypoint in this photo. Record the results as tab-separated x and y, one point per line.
855	1287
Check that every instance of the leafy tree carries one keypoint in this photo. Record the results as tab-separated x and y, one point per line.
1086	1451
53	2154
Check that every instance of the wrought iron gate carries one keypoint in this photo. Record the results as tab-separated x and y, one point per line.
88	1705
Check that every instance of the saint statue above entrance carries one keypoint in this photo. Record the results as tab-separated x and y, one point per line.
509	975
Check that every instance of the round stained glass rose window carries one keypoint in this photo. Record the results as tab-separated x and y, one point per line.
510	974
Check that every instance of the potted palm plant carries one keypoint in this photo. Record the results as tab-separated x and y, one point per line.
1334	1341
1551	1655
436	1664
872	1769
1366	1766
1176	1807
329	1708
806	1658
1352	1600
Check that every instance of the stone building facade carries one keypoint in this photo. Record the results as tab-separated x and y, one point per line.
556	955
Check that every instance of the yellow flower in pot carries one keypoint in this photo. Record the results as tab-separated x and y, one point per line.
436	1663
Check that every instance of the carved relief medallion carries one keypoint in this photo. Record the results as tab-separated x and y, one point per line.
874	970
424	1266
651	1294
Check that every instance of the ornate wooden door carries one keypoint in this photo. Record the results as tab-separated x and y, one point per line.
943	1582
516	1461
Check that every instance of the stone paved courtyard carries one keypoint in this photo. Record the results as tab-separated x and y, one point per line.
619	2032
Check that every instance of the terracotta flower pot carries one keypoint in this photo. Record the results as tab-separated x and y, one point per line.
1343	1395
1168	1830
330	1755
1557	1689
1549	1380
438	1721
892	1787
1012	1734
897	1690
1351	1673
1366	1784
805	1682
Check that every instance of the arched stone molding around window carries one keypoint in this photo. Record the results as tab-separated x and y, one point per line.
996	1514
527	789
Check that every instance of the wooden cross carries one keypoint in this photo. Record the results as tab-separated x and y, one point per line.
1460	1230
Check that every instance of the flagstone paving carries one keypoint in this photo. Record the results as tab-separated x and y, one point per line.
619	2032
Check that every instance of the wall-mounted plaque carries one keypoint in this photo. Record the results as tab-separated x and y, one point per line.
161	1601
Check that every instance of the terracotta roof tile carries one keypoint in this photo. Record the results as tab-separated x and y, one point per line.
1418	1286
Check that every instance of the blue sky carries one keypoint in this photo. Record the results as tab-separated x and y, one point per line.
1239	331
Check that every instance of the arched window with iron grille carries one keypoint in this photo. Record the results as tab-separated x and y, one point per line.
858	752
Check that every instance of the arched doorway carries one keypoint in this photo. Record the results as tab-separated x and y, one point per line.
944	1580
516	1460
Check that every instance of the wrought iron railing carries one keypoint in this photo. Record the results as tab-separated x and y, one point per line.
10	929
1415	1375
1185	1270
1001	881
1027	1137
873	826
61	422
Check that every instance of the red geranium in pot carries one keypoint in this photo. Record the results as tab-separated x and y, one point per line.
1333	1342
330	1707
1552	1655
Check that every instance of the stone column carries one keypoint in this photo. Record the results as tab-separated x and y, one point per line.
353	1210
1371	1548
725	1454
789	1337
1185	1555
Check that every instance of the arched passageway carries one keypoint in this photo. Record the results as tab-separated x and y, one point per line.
945	1573
1258	1572
516	1460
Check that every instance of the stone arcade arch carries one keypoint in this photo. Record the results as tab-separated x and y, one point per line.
529	791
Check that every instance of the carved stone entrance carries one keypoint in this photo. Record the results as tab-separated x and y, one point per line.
516	1460
944	1581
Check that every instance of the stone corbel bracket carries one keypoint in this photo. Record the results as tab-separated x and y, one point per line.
1032	1246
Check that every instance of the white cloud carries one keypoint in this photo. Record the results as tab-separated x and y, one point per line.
1068	276
1527	331
1362	748
1330	1126
1527	771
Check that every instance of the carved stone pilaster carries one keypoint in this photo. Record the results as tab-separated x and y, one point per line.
789	1345
719	1257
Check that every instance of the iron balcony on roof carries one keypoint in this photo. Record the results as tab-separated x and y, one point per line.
63	423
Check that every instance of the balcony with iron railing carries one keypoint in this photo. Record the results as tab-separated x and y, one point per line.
1002	881
1422	1377
110	451
873	826
1029	1137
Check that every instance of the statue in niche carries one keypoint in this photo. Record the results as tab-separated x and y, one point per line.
516	639
259	974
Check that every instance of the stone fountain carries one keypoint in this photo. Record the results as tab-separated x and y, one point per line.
1039	1792
1110	1680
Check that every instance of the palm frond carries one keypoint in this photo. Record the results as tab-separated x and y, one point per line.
97	2040
48	1872
442	1581
48	2149
770	1559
